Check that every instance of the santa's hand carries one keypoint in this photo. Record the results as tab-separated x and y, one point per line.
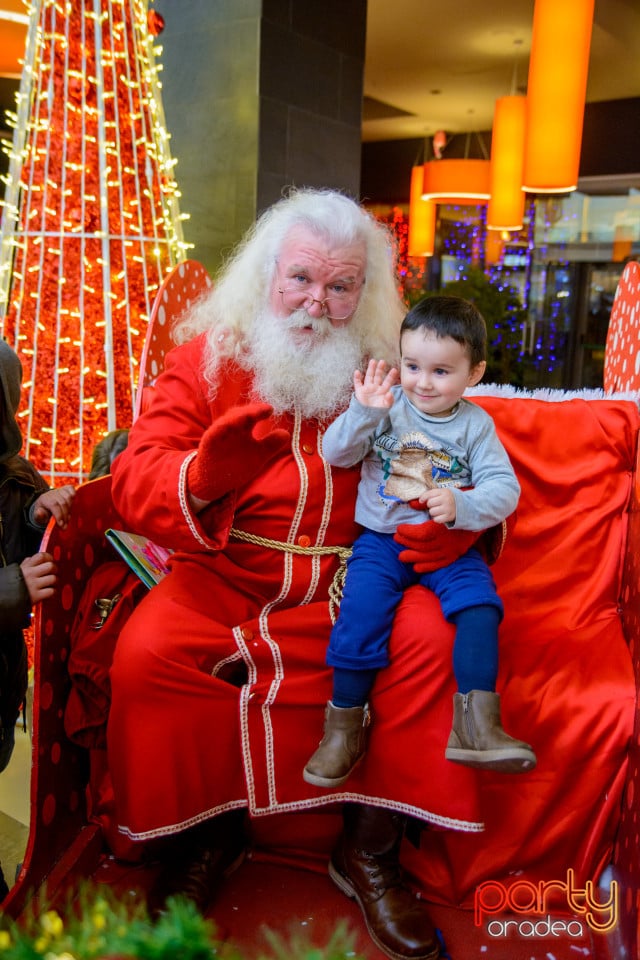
233	451
432	545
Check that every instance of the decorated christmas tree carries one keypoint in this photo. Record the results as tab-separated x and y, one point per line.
90	223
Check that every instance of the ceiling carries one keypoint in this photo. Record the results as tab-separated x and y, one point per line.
441	64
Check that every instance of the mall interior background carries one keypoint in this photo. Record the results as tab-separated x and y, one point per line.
264	93
259	94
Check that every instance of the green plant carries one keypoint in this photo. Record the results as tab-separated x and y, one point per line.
96	925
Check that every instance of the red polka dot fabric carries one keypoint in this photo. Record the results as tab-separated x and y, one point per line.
622	373
180	289
627	849
622	352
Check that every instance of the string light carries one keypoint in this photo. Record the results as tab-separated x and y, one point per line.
90	224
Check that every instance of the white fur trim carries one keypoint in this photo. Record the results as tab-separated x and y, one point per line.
547	394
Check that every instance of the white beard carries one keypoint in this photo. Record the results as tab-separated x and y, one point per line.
315	378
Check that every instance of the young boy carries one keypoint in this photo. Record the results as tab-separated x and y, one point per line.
26	576
422	447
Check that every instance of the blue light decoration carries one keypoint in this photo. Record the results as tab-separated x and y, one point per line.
526	303
550	297
465	273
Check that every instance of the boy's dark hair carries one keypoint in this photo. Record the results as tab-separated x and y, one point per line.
450	317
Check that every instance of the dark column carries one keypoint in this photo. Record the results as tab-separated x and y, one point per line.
259	95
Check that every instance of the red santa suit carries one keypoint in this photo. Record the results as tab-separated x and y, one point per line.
185	743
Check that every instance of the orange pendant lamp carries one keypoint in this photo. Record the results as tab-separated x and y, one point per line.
456	181
506	206
494	247
422	218
558	69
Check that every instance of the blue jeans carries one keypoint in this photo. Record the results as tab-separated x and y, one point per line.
375	583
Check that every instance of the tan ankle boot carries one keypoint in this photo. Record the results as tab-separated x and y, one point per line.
343	744
478	738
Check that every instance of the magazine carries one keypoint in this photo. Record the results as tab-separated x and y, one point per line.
146	558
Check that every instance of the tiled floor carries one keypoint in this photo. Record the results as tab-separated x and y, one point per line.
14	806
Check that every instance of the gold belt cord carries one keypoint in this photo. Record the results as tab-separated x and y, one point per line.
343	553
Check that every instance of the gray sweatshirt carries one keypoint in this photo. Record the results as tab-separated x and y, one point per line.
458	451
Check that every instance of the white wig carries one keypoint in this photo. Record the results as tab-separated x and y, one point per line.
242	289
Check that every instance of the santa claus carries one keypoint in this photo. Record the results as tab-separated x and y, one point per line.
219	681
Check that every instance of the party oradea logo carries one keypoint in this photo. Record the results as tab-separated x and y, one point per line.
529	910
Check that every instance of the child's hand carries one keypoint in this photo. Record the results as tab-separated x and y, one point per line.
374	389
441	504
39	574
54	503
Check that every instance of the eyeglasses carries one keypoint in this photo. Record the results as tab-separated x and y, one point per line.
339	306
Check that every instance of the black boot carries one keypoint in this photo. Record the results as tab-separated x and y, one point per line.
196	861
4	889
365	865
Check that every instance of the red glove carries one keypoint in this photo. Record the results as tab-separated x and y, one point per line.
233	451
432	545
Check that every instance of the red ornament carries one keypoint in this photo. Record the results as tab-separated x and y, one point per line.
155	22
75	86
